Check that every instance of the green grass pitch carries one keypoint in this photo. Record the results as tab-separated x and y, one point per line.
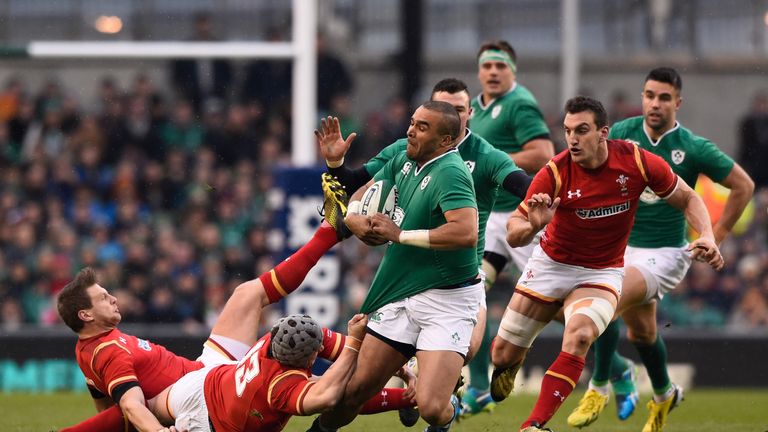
701	411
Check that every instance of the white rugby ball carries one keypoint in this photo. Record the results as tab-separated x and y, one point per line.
381	197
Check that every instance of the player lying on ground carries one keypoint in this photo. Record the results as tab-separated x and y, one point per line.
269	385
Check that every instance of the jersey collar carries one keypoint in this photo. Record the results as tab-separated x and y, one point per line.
645	131
466	136
418	170
490	102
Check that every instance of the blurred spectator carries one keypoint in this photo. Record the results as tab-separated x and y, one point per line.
10	99
269	81
182	132
753	139
621	108
333	78
198	79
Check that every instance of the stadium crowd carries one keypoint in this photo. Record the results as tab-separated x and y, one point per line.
170	203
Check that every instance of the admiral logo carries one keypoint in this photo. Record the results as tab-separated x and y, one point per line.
602	212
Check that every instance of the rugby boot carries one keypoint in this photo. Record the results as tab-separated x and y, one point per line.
589	408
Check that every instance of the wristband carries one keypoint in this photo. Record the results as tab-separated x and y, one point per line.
352	343
354	207
335	164
418	238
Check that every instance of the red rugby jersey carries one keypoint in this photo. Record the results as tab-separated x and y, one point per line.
597	207
113	358
257	394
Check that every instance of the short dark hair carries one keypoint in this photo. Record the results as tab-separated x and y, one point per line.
666	75
501	45
585	103
450	85
74	297
450	123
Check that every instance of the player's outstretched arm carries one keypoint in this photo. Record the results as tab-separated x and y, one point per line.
742	187
133	405
690	203
517	183
329	389
332	145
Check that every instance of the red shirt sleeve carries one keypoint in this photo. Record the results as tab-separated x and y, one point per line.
661	179
333	343
543	182
288	390
114	364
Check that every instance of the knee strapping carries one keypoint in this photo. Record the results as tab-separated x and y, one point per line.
599	310
519	329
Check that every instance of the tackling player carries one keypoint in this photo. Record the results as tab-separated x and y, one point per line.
657	256
269	385
123	370
589	192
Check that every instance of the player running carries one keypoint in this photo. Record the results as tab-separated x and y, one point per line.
657	256
586	197
426	294
491	169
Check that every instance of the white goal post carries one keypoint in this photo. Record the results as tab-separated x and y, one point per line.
301	49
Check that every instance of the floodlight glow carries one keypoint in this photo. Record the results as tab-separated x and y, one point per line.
108	24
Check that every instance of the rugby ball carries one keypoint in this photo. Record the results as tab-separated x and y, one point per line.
381	197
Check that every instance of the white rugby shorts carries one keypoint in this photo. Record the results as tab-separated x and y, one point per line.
496	240
549	281
434	320
186	402
662	268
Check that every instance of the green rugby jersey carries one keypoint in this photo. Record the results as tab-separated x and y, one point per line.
424	194
489	168
508	123
657	224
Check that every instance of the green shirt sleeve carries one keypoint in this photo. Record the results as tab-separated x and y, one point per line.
386	171
456	189
712	161
502	166
385	155
527	123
